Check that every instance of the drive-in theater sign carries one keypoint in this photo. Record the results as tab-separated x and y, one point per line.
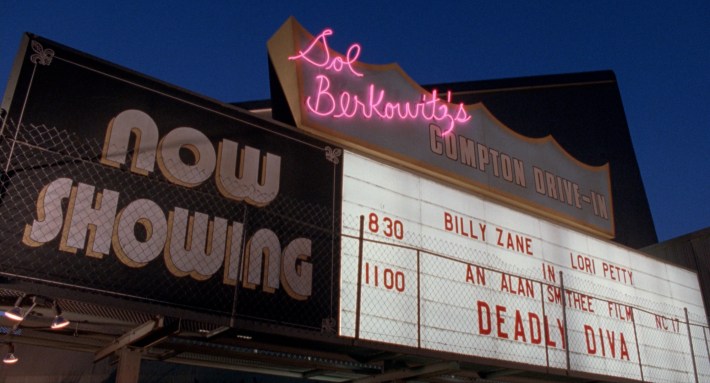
124	186
398	219
487	266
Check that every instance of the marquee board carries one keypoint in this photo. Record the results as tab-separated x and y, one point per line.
445	270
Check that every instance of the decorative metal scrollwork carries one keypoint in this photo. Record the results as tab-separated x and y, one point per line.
42	56
333	155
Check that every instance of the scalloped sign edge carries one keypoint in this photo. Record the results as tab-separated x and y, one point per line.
379	110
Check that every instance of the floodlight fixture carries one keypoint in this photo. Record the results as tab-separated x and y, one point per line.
15	313
10	357
59	322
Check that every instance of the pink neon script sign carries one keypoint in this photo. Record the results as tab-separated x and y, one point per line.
371	102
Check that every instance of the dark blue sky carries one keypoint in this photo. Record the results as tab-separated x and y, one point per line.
660	52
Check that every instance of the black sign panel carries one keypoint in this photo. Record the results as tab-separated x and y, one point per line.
122	185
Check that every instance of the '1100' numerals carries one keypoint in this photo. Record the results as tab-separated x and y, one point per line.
391	279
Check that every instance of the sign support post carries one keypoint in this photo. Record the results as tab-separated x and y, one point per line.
419	301
542	303
359	277
564	319
690	340
636	337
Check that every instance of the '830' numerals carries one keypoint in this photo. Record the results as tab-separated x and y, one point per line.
392	228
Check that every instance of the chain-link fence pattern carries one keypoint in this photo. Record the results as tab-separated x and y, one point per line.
70	220
460	302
